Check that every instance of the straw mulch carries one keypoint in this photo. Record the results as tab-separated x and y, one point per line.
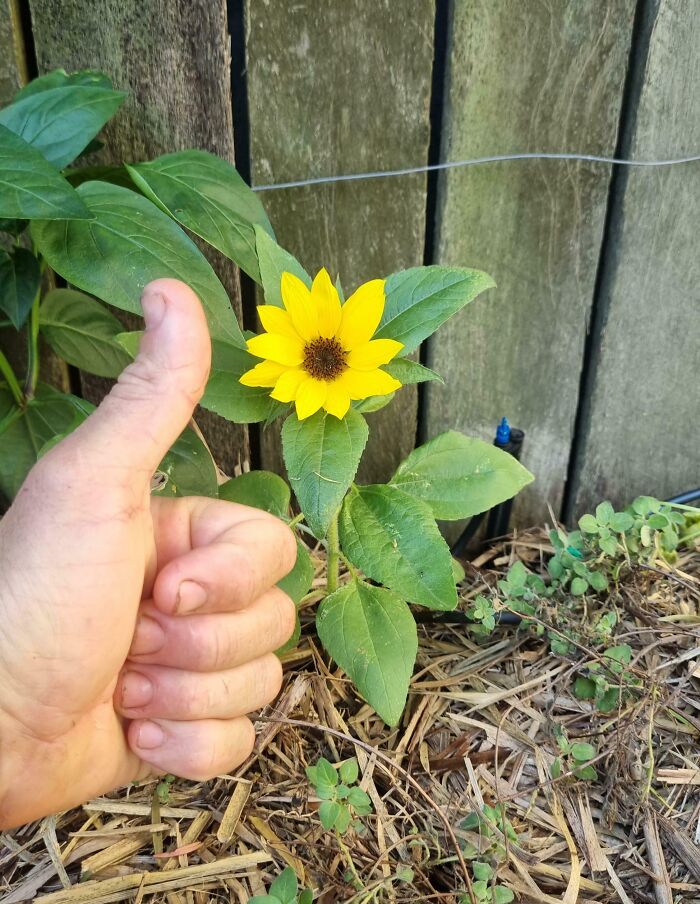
478	728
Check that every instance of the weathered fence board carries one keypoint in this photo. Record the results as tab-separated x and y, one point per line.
525	77
173	56
642	429
344	89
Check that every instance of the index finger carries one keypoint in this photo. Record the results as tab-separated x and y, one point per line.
219	556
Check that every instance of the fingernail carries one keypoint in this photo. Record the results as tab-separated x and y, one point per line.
153	305
149	736
137	690
149	637
190	596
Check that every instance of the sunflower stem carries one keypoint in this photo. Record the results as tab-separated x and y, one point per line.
333	544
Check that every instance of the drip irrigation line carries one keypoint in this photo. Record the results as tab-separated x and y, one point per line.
475	161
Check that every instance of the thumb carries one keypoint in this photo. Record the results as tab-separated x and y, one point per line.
154	397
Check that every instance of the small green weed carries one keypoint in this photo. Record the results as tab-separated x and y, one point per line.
284	890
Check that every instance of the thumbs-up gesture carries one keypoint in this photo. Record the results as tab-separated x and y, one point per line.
136	633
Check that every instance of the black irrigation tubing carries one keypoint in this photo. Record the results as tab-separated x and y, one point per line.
475	161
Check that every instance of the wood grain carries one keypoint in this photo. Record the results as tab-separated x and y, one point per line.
525	77
642	430
173	56
340	89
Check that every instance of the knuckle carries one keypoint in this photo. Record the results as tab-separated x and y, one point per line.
286	614
273	675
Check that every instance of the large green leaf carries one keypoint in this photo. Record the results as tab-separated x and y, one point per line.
129	243
82	332
228	397
419	300
322	454
407	371
371	634
30	188
207	195
25	431
259	489
19	282
187	469
393	539
61	122
273	261
59	78
458	476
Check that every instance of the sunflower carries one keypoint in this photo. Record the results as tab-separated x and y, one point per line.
319	354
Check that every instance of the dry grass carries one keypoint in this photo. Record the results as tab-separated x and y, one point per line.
479	728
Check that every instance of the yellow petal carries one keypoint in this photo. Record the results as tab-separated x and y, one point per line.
374	353
337	400
360	384
324	297
310	397
267	373
282	349
277	320
361	314
286	387
297	301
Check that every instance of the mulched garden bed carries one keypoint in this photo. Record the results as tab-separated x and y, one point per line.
480	729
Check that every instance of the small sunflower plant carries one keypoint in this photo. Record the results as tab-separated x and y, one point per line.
320	363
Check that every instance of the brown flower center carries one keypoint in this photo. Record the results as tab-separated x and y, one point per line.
324	359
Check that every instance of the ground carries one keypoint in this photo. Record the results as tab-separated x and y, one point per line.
489	722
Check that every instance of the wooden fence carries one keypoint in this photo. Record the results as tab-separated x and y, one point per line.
591	342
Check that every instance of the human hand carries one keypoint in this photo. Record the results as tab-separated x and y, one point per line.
135	632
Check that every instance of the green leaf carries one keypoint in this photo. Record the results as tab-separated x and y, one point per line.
609	545
83	332
326	772
285	886
407	372
306	897
273	260
373	403
458	572
259	489
328	813
30	188
263	899
579	586
604	512
555	768
371	634
322	454
598	581
419	300
19	282
502	895
207	195
189	468
584	688
617	657
228	397
24	431
587	773
343	819
349	771
588	524
60	122
482	871
458	476
581	751
621	521
127	229
59	78
298	582
393	539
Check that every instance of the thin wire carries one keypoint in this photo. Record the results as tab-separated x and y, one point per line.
453	164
